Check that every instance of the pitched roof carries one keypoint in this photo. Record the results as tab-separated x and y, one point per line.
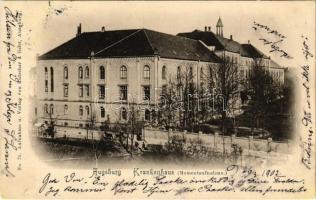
248	50
221	43
82	45
230	45
126	43
211	39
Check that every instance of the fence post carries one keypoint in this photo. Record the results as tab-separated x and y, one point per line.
250	143
232	140
233	137
269	144
215	136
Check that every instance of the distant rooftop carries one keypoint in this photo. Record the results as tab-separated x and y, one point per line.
222	43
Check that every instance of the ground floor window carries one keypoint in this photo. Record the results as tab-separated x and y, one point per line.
80	110
147	115
146	93
65	90
102	112
101	91
123	92
123	114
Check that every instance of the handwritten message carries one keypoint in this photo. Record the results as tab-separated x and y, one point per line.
307	108
273	42
234	179
11	129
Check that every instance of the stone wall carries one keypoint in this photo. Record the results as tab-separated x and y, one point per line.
217	142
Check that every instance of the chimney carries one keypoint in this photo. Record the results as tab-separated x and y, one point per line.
103	29
231	37
209	29
248	41
205	28
79	30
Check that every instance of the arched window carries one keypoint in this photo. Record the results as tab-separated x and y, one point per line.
87	110
51	79
65	72
65	109
147	115
46	73
86	72
80	72
46	79
46	108
51	108
102	112
191	72
164	73
201	74
123	74
146	72
179	73
102	73
123	114
80	110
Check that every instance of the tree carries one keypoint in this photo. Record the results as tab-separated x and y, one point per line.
178	104
50	130
133	120
166	106
91	127
263	90
225	79
131	127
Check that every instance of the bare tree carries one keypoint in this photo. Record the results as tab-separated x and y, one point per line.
263	90
133	123
131	127
179	100
52	122
224	79
91	127
167	106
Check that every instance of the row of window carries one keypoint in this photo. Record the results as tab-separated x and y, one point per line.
86	74
86	110
84	90
246	73
123	75
232	59
123	72
50	109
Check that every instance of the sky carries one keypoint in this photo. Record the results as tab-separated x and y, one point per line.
48	28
